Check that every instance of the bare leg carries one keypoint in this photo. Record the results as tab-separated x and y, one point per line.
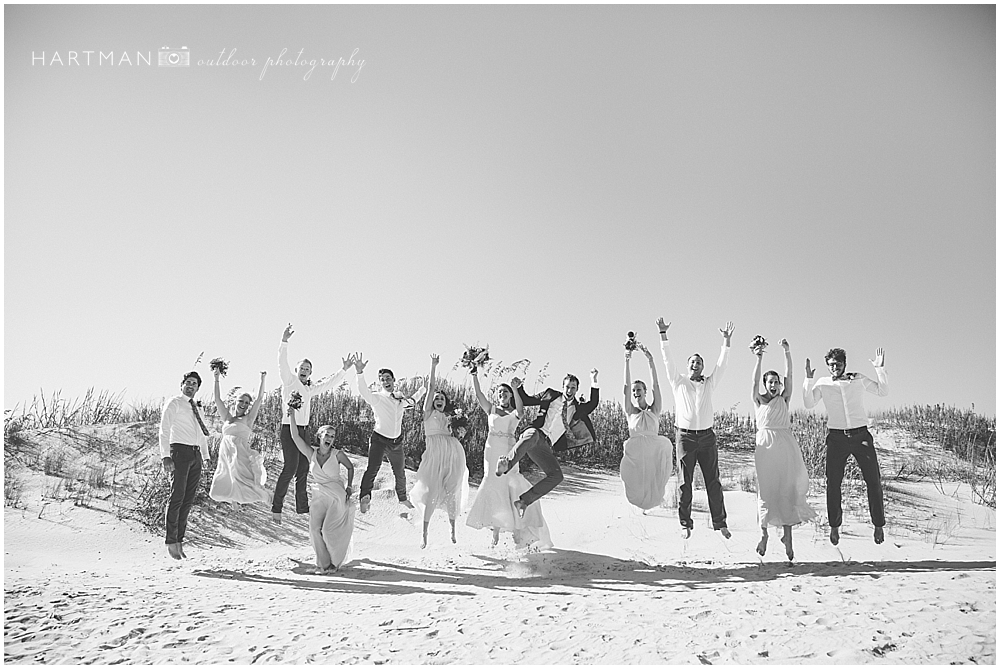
427	521
496	536
453	539
834	535
879	535
762	546
424	544
786	539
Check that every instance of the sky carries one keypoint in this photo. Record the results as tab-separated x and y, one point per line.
541	179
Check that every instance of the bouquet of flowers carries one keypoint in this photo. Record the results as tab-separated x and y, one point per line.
758	344
295	400
219	364
458	422
474	357
631	343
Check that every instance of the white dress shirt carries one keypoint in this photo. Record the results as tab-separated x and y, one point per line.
693	399
290	383
388	408
179	426
553	426
844	398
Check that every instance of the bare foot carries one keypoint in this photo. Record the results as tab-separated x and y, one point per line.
879	535
453	539
496	537
787	540
175	551
685	533
332	569
276	518
520	506
365	503
180	547
503	465
725	532
319	571
762	546
407	503
423	544
834	535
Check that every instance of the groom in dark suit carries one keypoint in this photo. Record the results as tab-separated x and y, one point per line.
559	413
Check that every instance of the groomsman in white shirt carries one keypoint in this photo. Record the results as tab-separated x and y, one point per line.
296	464
847	432
183	448
388	406
696	442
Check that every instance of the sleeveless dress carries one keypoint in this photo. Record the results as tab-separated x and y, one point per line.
331	516
782	479
647	460
494	505
442	477
239	474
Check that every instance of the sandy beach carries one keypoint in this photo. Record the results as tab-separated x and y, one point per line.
621	587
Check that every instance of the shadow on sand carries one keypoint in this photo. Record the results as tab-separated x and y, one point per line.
570	569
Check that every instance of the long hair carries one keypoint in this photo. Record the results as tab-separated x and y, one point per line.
511	391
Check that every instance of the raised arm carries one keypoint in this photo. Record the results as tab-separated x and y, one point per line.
284	369
300	443
755	391
363	389
431	382
657	404
585	408
334	379
529	400
811	395
627	403
219	404
515	383
880	387
720	366
252	414
668	360
346	461
787	391
484	403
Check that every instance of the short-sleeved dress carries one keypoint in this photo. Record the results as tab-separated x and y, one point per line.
782	479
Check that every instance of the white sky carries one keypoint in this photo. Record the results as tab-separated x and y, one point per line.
538	178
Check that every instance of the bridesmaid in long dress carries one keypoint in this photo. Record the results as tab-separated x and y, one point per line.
239	474
331	515
442	477
494	505
782	479
647	455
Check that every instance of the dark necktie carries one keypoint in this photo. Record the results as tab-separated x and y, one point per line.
197	415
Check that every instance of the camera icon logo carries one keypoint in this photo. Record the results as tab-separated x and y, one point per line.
174	57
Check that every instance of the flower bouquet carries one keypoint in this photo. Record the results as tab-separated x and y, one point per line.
757	345
631	343
295	400
458	423
475	357
219	364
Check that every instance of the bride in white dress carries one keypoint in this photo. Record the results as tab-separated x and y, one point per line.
494	505
239	474
647	461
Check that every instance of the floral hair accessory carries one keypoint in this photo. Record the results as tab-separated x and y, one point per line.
475	357
220	365
758	344
631	343
295	400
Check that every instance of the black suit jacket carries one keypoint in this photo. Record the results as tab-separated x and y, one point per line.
546	397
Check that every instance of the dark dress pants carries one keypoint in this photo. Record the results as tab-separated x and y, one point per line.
295	464
379	446
839	445
699	447
187	477
536	445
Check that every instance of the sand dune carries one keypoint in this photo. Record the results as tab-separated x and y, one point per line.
619	588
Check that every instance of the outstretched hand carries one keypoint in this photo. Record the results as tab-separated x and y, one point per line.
727	332
809	370
287	333
661	325
879	360
348	361
435	359
359	364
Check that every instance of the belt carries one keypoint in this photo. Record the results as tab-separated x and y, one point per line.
185	445
508	435
850	431
687	431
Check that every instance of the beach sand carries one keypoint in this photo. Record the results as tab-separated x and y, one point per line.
620	587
